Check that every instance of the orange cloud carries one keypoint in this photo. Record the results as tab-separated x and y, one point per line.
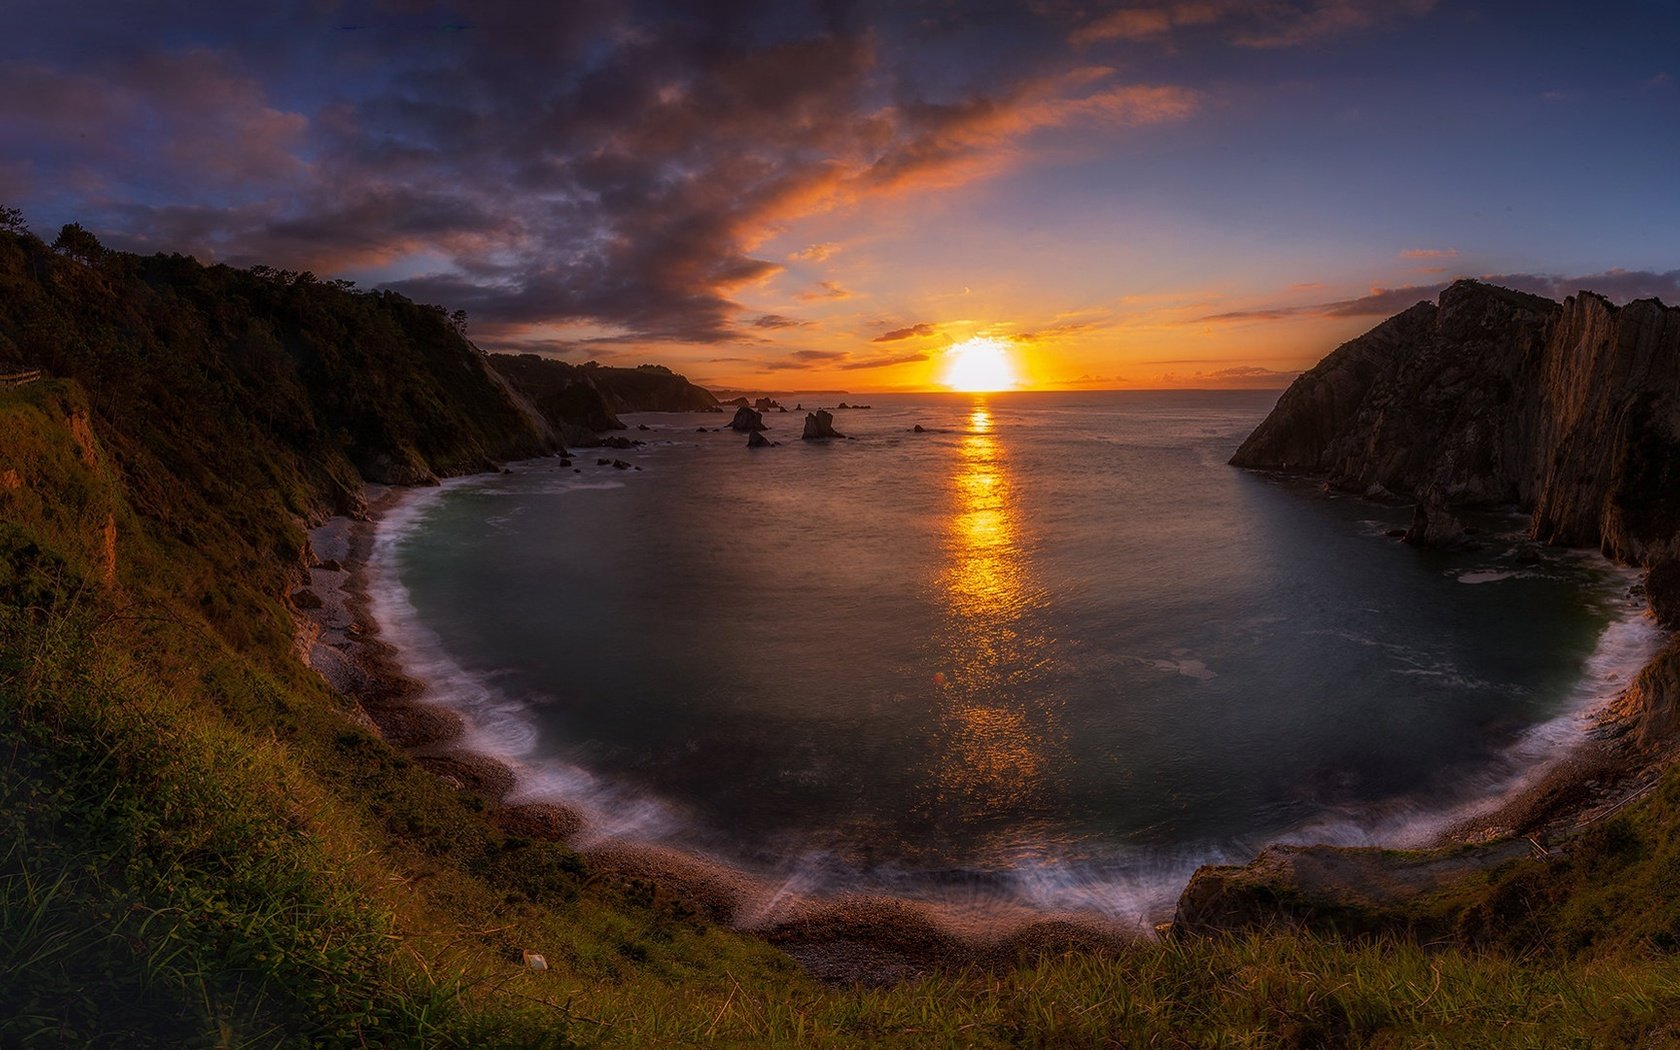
826	290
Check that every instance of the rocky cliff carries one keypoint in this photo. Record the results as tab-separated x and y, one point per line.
1487	396
1491	396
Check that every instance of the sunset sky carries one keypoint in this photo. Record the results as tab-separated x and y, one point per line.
827	196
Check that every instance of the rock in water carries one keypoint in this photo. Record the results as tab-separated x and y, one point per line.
1433	524
747	419
820	424
918	429
757	440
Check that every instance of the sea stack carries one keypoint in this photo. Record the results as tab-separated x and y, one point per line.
819	425
746	419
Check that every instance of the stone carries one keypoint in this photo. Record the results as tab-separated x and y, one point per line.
819	425
1433	523
918	429
747	419
757	440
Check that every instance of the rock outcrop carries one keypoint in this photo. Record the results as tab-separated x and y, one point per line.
1433	523
756	439
1487	396
589	396
746	419
1352	891
1491	396
819	425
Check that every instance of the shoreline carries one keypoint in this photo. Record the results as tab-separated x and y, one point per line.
873	937
868	937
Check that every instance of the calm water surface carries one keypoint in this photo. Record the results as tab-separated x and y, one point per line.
1054	644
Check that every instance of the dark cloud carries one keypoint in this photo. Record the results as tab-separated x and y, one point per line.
904	333
777	321
588	165
1274	24
803	359
1619	286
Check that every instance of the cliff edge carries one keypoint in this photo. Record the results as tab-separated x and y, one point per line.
1491	396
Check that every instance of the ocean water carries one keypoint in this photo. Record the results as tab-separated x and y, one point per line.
1052	651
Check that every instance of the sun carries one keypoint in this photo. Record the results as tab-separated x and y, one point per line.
979	365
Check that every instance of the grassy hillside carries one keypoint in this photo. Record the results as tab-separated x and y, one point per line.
200	848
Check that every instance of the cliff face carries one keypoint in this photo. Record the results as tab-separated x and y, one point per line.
589	395
1493	396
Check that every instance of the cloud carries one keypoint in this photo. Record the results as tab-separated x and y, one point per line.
777	321
1617	285
825	290
584	166
914	331
883	362
1379	302
1272	24
946	143
1056	331
1429	253
1240	377
803	359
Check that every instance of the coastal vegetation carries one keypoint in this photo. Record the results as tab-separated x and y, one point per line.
203	847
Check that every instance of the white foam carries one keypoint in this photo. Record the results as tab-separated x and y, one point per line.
1487	576
497	724
1127	885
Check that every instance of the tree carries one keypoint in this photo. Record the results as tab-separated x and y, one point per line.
75	241
11	220
459	320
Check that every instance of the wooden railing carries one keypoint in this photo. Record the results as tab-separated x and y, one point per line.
8	379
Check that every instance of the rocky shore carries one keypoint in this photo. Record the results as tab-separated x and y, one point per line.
1490	397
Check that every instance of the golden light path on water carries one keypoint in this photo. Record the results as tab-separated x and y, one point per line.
996	749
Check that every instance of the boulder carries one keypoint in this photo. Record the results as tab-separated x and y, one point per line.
747	419
918	429
819	425
1433	523
756	439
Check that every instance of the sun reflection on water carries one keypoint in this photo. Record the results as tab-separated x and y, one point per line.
995	731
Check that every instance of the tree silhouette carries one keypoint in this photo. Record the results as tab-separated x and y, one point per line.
75	241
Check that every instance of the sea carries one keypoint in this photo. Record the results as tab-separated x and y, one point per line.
1052	651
